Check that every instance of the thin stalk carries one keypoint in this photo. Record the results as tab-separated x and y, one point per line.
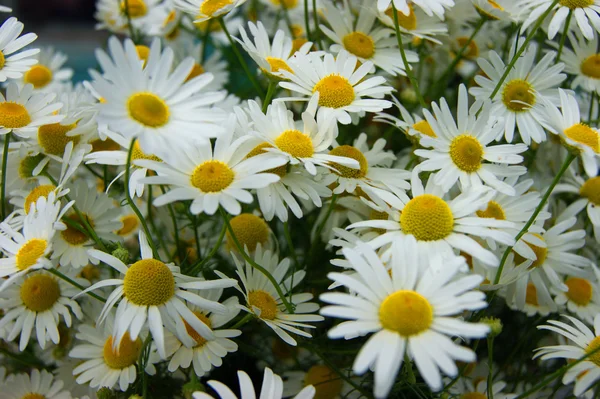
161	241
242	321
270	92
307	20
241	58
98	175
205	38
129	24
143	361
490	378
105	176
261	269
317	33
286	18
407	67
4	164
290	243
175	228
197	237
563	38
74	283
563	169
198	267
591	111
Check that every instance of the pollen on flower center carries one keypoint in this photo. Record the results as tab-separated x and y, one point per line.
148	282
591	66
540	254
591	190
13	115
200	340
197	70
280	171
211	7
493	211
408	22
427	217
130	223
105	145
466	152
30	253
579	291
36	193
518	96
278	64
326	382
74	236
350	152
250	230
39	292
424	127
143	52
592	346
2	60
33	395
137	153
148	109
134	8
212	176
39	76
335	91
53	138
359	44
28	164
263	301
584	134
295	143
125	355
573	4
406	312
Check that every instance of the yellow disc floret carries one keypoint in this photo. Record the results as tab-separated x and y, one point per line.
585	135
36	193
335	91
39	292
531	295
2	60
466	153
473	395
149	282
212	7
295	143
53	138
30	253
75	236
288	4
406	312
34	395
408	22
13	115
250	230
350	152
494	211
143	52
541	254
28	164
472	51
212	176
277	64
148	109
130	223
134	8
593	346
591	66
105	145
280	171
573	4
265	302
518	95
427	217
197	70
200	340
359	44
125	355
137	153
424	127
39	76
326	382
591	190
580	290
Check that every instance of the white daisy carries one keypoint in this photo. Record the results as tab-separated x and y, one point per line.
408	311
478	388
36	385
13	63
413	125
328	384
582	297
417	24
583	61
341	86
212	63
585	12
203	10
48	74
430	7
113	15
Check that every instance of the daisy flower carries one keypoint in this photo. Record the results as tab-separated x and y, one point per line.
328	384
567	124
152	103
478	388
413	125
13	63
584	341
518	103
102	363
113	15
263	301
271	57
416	23
585	12
272	388
430	7
583	62
460	148
36	385
440	225
341	86
213	63
22	112
408	310
582	297
203	10
39	301
366	41
48	74
152	293
499	10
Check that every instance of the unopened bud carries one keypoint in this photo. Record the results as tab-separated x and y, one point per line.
105	393
408	95
122	254
495	325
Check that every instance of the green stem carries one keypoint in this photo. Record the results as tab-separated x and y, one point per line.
490	379
143	362
591	111
563	169
161	241
105	176
75	284
563	38
205	41
407	67
241	58
261	269
290	243
4	164
98	175
129	24
270	92
317	33
307	20
175	228
242	321
198	267
132	203
286	17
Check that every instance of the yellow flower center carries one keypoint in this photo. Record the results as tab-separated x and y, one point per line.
540	254
592	346
584	134
30	253
28	164
211	7
265	302
466	152
278	64
36	193
297	43
472	51
13	115
424	127
493	4
473	395
200	340
53	138
39	292
335	91
573	4
327	383
408	22
518	95
531	295
137	153
350	152
427	217
143	52
580	290
134	8
295	143
33	395
125	355
72	235
90	273
148	109
493	211
212	176
39	76
105	145
591	190
149	282
130	223
288	4
250	230
359	44
406	312
280	171
197	70
591	66
2	60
